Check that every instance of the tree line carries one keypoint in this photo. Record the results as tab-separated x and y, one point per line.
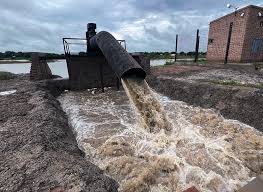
151	55
170	55
21	55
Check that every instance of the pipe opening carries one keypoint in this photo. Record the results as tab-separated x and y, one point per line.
134	72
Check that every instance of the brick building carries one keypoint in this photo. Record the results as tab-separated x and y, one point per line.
246	39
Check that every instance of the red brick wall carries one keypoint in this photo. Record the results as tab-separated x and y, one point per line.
219	30
253	31
243	31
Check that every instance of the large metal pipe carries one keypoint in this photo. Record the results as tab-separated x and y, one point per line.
121	62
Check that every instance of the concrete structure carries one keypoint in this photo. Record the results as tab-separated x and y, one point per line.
246	38
39	68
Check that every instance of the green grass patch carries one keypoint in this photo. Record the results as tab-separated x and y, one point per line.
6	75
202	61
169	63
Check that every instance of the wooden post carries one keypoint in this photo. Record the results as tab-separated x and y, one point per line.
228	42
101	77
176	45
197	45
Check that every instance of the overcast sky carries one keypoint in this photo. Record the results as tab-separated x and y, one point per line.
146	25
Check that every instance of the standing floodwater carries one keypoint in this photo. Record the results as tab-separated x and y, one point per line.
175	147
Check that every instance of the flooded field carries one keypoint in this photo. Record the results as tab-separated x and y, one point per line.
156	144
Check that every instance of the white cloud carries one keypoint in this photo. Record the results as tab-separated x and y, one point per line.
31	25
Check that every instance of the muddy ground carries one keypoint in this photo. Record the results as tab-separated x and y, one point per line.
37	148
234	90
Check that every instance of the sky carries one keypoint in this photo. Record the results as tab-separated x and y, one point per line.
146	25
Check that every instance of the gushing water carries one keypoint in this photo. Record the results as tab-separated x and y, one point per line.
150	112
159	145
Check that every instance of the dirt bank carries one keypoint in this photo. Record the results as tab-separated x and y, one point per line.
236	93
37	148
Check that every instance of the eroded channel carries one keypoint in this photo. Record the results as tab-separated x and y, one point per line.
157	144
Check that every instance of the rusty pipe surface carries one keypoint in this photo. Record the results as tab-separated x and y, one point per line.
121	62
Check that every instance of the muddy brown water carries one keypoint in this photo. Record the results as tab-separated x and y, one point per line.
150	112
148	142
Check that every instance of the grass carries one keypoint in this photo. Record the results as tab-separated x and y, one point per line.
14	61
169	63
236	83
202	61
6	75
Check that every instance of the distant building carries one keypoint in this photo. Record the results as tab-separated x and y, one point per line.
246	42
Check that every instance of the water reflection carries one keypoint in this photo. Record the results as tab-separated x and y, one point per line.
16	67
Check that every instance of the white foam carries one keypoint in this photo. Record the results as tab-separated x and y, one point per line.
96	116
3	93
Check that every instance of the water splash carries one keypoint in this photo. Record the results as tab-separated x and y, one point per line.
149	110
201	149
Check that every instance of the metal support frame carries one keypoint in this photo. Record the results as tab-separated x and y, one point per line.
75	41
124	42
67	44
228	42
